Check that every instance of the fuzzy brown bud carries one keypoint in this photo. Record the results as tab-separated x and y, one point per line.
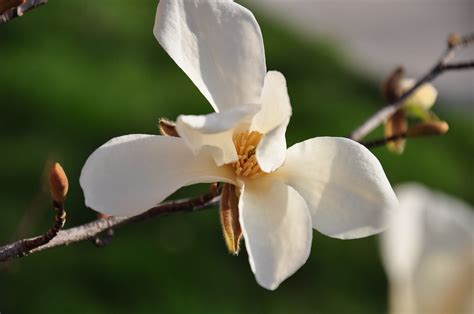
428	128
454	39
58	183
167	127
391	88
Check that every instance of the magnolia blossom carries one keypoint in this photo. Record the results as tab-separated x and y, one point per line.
334	185
428	253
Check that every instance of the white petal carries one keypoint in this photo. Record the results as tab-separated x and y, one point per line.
343	184
130	174
277	231
213	133
428	252
275	102
218	44
272	120
424	97
271	151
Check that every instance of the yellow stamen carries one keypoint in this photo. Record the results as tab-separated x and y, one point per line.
245	146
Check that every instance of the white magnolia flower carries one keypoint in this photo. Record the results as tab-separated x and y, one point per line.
428	253
334	185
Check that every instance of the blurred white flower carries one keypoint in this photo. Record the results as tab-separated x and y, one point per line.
428	253
334	185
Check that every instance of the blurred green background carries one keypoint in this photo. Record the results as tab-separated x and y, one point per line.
75	74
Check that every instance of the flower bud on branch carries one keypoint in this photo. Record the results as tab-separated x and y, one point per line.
428	128
454	39
418	130
416	106
397	123
58	183
391	88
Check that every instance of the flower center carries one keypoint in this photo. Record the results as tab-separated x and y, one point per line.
246	145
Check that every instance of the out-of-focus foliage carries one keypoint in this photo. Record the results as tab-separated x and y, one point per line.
75	74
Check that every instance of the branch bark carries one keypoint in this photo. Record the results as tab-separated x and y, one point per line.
91	230
454	43
10	9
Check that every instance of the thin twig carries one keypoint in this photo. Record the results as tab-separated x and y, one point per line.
441	66
19	10
90	230
59	221
463	65
383	141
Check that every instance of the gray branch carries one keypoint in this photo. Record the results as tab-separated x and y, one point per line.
93	229
17	11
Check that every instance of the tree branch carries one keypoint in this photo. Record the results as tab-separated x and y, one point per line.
10	9
454	43
90	230
464	65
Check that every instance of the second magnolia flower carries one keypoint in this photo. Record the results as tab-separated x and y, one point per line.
334	185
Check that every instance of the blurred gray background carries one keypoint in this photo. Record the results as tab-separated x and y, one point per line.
377	35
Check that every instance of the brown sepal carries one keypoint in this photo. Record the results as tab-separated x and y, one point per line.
167	127
396	124
391	88
229	215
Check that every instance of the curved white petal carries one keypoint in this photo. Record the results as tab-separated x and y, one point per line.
271	121
343	184
275	102
428	252
213	133
271	151
277	231
130	174
218	44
